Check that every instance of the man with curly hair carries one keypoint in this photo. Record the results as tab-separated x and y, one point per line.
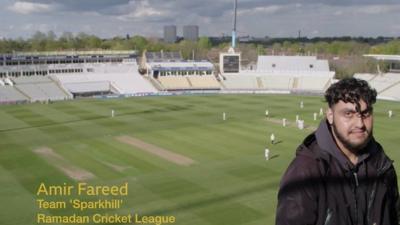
341	175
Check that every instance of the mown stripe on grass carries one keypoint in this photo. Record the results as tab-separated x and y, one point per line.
108	150
76	153
171	187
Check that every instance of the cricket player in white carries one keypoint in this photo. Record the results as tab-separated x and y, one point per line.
267	154
272	138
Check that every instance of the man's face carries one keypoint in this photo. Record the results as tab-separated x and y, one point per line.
351	129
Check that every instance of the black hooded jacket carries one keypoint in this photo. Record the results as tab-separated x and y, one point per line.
322	187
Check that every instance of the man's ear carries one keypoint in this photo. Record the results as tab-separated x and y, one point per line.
329	115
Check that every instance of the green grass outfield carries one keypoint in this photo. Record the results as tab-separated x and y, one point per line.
230	184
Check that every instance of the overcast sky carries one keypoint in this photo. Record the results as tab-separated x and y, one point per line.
274	18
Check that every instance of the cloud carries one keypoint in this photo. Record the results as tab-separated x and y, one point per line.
213	8
140	11
29	7
86	5
269	10
378	9
214	17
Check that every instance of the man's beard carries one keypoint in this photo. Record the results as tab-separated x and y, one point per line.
354	147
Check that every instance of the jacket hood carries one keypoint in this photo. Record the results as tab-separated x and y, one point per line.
327	143
328	147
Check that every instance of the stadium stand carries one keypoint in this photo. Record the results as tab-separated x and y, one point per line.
283	73
277	82
124	77
39	88
203	81
168	72
9	94
387	85
291	63
380	82
30	79
34	92
241	82
175	82
45	75
393	92
364	76
311	83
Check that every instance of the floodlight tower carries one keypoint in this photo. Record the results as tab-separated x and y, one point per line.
229	62
234	25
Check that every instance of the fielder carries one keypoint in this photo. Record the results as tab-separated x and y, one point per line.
272	138
267	154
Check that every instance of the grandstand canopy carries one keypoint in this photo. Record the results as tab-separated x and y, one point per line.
184	65
394	61
385	57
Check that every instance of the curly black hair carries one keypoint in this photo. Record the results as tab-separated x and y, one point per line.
351	90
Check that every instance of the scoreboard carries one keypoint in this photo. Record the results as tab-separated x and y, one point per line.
231	63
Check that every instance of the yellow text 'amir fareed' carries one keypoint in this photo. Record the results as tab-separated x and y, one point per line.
82	189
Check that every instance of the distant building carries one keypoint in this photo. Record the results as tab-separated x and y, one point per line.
170	34
191	32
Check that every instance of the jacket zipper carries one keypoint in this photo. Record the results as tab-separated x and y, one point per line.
355	178
355	197
328	216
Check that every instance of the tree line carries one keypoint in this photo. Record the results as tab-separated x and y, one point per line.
330	46
344	54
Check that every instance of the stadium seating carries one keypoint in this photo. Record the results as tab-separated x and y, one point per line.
42	91
39	88
53	92
387	85
203	82
239	82
11	94
291	63
392	92
30	79
124	77
312	83
175	82
283	73
277	82
33	91
364	76
380	82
